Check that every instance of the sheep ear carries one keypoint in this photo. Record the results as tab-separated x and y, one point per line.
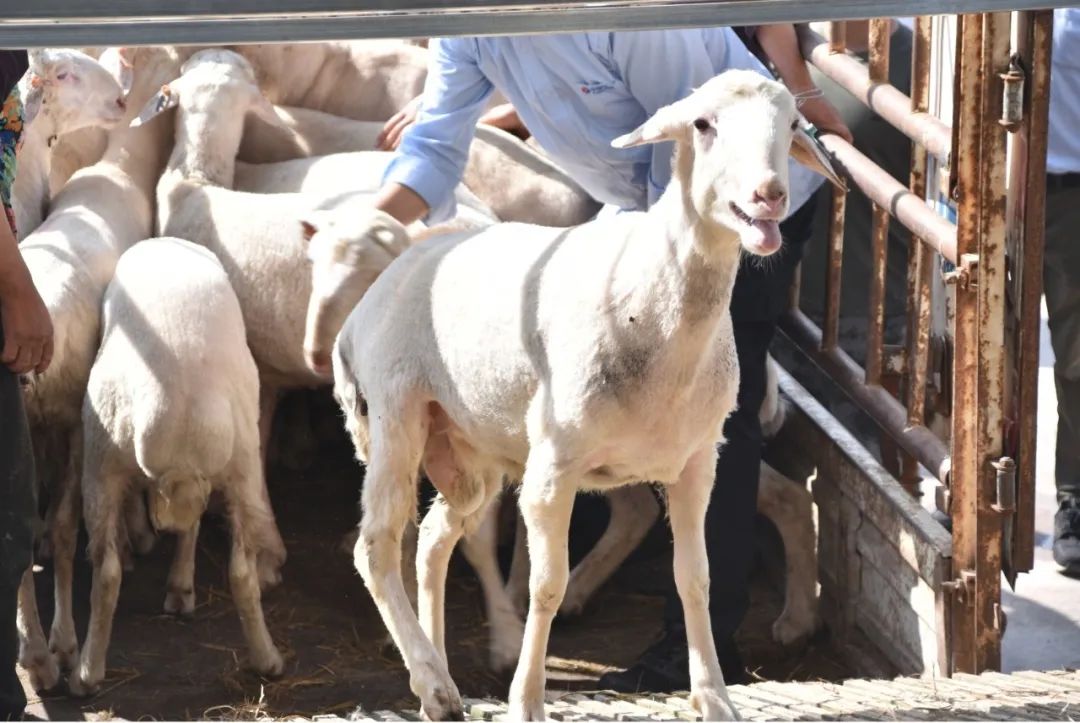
265	110
118	61
167	97
809	153
667	124
35	96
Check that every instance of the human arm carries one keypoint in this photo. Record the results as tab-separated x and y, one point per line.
27	328
780	43
431	157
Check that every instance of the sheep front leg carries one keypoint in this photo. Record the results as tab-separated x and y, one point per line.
547	500
688	499
34	654
103	506
439	532
180	593
517	585
64	533
633	511
789	506
388	500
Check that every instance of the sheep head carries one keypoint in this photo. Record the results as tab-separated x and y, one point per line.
348	249
212	79
734	135
73	90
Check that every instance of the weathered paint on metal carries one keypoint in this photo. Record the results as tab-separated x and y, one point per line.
1036	46
880	32
835	260
881	97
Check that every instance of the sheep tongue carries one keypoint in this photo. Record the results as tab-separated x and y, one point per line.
762	235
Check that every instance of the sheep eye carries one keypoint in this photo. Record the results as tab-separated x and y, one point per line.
702	125
795	125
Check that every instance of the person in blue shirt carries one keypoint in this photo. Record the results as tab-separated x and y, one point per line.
1061	277
575	93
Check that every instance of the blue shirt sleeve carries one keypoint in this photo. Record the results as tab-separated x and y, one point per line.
660	67
432	155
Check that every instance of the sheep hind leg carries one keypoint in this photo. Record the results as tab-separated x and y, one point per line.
634	509
546	501
687	501
180	593
480	547
388	501
517	584
103	508
244	582
789	507
34	655
65	533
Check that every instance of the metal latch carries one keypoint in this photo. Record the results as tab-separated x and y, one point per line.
1005	499
1012	95
965	275
962	587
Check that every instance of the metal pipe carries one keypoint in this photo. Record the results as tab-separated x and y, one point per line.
879	96
882	407
835	259
45	23
889	193
880	30
919	262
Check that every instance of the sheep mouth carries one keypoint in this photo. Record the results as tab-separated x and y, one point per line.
747	218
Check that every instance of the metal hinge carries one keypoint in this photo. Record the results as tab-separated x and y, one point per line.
962	588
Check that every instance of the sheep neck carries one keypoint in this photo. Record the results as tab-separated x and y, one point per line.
697	264
34	165
206	146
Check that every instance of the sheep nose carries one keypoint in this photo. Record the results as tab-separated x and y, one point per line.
771	194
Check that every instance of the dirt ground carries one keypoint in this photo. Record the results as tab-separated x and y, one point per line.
321	617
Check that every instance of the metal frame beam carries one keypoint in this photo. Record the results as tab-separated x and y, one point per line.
144	22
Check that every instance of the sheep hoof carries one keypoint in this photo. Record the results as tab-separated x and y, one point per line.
271	665
572	607
82	685
65	650
791	627
43	671
526	711
439	699
713	705
180	602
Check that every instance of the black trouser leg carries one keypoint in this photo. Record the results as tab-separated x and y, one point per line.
16	531
1061	281
760	296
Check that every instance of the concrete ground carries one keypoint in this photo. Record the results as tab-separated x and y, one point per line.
1044	613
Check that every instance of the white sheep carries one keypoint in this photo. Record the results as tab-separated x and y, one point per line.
380	76
337	286
62	91
259	237
592	357
516	181
172	408
98	214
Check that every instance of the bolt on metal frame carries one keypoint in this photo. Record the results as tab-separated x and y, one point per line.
995	249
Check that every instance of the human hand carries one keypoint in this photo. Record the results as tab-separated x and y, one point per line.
394	129
819	111
504	116
28	331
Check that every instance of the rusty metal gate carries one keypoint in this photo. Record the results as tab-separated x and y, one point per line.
897	587
938	605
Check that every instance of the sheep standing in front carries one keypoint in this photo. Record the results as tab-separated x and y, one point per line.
100	212
172	407
63	91
590	358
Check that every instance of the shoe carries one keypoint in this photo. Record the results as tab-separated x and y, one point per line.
1067	536
664	667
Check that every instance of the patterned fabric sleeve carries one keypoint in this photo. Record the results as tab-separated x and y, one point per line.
11	126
